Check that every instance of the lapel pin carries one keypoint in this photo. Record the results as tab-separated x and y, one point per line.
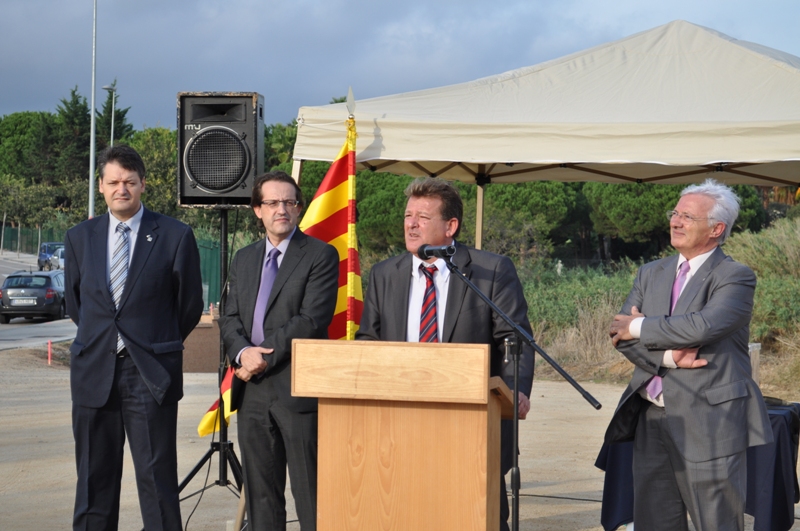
149	238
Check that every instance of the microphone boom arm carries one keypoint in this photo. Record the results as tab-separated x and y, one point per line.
524	336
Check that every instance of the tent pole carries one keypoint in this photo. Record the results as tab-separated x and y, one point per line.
481	180
479	216
297	168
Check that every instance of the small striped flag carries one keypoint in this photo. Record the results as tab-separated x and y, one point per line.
331	217
210	421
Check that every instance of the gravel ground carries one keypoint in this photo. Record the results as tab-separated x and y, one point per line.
561	488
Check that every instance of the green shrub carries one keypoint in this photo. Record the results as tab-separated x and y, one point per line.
776	310
771	252
555	300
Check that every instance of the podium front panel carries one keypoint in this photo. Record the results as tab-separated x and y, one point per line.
404	466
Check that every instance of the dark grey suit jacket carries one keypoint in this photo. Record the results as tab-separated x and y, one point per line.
467	318
300	306
161	304
713	411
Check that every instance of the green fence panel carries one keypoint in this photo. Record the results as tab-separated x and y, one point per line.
28	241
209	269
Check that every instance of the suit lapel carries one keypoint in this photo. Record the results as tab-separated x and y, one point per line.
248	295
662	290
400	284
99	252
456	291
693	287
146	240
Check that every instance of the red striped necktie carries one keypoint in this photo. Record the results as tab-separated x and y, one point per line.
428	328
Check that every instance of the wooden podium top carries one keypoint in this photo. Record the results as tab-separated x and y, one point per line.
381	370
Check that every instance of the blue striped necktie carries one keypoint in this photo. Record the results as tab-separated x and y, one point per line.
119	270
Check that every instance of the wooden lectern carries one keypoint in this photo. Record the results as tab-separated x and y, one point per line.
409	434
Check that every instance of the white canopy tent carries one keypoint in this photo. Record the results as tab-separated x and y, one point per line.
669	105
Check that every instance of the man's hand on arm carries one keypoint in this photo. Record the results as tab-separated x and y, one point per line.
620	326
252	361
686	358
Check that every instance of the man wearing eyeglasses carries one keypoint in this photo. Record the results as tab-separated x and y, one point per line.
280	288
692	407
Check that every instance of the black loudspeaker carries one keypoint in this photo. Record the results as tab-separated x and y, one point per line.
220	147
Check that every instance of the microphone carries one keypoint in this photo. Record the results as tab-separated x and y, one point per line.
426	251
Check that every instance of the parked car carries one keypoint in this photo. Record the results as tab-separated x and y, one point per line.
33	294
46	251
56	261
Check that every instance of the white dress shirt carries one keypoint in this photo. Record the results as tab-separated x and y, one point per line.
441	282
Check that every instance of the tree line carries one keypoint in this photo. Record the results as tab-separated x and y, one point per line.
44	167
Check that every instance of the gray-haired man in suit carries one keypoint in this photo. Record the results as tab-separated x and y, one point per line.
280	288
692	407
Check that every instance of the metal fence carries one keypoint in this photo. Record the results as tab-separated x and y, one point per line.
27	240
24	240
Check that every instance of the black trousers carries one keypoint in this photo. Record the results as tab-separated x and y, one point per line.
99	444
270	438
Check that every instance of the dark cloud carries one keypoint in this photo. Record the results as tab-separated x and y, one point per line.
305	52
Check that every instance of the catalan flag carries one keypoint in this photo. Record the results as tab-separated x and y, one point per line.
210	421
331	217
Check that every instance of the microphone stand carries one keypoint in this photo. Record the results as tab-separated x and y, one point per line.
514	354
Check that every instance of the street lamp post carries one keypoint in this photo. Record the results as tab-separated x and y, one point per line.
113	90
92	127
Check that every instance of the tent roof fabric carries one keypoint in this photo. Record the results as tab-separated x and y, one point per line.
668	105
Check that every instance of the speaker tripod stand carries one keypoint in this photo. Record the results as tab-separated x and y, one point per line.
227	455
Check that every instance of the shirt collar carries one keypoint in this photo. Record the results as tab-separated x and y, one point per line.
133	223
696	262
440	264
281	246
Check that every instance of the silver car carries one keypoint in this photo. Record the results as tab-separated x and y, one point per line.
56	261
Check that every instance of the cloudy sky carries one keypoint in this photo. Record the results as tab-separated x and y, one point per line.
304	52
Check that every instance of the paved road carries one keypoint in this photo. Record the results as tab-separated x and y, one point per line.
10	262
23	332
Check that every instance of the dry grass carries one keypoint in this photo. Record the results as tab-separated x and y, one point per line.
780	368
585	351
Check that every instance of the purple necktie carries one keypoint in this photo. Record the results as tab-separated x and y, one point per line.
654	388
267	280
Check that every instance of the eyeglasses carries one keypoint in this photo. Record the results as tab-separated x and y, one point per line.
273	203
686	218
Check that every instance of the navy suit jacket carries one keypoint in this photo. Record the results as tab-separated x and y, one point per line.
161	304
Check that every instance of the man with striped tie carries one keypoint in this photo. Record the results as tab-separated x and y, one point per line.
692	407
411	299
134	289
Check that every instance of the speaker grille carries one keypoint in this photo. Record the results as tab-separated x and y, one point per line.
217	159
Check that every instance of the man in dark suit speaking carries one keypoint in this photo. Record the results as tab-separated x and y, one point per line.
280	288
409	299
133	287
692	407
